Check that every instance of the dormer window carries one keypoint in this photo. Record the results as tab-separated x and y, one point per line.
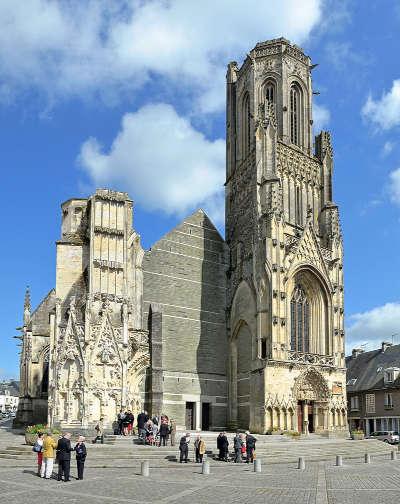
390	375
351	382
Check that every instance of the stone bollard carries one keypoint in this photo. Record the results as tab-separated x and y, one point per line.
394	455
301	464
205	467
145	468
339	460
257	465
367	458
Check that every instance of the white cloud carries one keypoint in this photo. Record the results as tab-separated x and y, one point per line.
162	161
388	148
321	117
374	326
394	186
76	48
385	112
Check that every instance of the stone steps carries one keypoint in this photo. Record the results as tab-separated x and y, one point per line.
278	452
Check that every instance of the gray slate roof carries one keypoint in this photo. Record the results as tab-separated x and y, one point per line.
12	386
365	368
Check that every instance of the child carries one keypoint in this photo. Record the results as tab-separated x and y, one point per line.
80	450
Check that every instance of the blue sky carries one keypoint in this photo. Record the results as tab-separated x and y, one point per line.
131	95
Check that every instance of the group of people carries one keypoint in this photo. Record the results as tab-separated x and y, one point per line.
125	421
156	431
244	446
48	450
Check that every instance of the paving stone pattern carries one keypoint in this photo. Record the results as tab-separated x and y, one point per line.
109	480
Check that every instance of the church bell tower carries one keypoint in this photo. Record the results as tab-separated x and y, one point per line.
285	279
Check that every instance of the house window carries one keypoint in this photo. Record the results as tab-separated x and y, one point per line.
389	378
370	403
300	321
354	403
388	400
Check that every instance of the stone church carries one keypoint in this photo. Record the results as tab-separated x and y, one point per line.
245	332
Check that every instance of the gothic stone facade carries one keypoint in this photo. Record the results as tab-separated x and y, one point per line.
246	332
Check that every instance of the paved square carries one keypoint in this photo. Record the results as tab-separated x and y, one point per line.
319	483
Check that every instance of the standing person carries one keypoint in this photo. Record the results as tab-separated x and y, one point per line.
125	424
164	431
237	445
243	438
155	433
222	445
142	419
80	450
172	431
250	447
200	449
64	456
130	419
120	418
49	445
99	431
184	448
38	449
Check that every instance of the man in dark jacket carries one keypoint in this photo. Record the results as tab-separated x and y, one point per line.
222	445
184	448
142	419
237	445
250	447
64	456
163	431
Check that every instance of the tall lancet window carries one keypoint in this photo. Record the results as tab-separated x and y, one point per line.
269	92
300	321
295	114
246	124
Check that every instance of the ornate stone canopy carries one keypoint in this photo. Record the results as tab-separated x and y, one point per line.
311	386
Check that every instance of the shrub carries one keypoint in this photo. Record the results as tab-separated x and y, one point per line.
293	434
35	429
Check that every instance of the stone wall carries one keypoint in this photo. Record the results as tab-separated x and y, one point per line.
184	306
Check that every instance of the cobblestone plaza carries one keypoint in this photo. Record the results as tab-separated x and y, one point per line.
320	482
115	476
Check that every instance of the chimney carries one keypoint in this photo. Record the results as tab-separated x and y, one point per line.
356	352
385	345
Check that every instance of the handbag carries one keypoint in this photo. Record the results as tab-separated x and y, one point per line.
37	448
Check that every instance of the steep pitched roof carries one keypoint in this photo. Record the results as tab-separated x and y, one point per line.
368	369
198	218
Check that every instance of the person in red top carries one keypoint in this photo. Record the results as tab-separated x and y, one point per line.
38	448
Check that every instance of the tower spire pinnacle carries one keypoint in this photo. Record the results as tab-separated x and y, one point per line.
27	305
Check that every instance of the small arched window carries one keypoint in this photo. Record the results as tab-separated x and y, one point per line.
300	321
269	91
295	113
246	125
